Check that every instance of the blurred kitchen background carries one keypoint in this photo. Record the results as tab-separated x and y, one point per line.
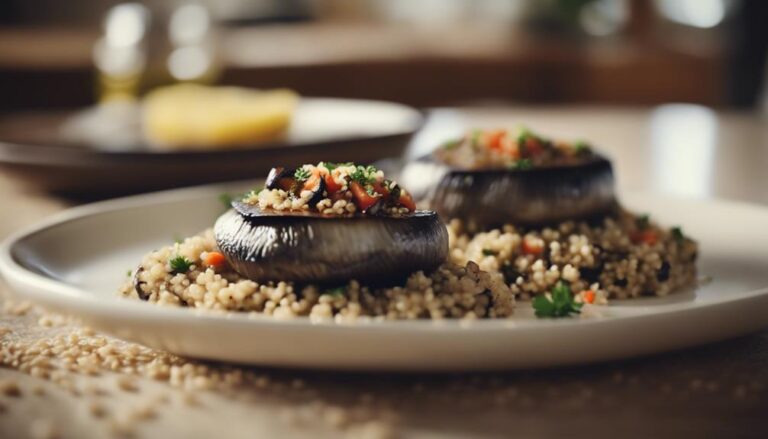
68	54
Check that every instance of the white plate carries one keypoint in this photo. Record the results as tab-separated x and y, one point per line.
75	262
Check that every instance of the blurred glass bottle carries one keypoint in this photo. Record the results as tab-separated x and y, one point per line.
191	35
120	55
140	49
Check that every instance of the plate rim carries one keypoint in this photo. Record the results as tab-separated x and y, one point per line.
50	292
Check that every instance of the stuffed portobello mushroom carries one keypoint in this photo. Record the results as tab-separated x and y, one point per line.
329	223
489	178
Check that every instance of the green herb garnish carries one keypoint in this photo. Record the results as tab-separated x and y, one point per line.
451	144
489	252
301	175
331	166
226	199
643	221
335	292
364	174
129	273
522	164
677	233
179	264
475	139
252	194
561	303
524	134
581	147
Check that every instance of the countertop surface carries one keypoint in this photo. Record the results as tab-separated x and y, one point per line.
717	390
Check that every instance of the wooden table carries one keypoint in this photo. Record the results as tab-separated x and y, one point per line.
713	391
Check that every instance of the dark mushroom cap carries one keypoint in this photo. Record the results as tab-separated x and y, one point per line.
305	247
535	196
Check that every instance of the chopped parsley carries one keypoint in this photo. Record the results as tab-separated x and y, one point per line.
522	164
252	194
677	233
129	273
331	166
301	175
451	144
489	252
226	199
476	137
643	221
179	264
364	174
561	303
335	292
581	147
524	134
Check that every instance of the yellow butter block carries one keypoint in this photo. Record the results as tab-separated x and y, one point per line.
197	116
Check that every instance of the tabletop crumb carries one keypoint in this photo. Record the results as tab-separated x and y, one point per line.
190	399
97	409
38	390
144	412
127	383
9	387
121	428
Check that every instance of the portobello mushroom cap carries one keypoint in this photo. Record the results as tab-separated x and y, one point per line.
535	196
306	247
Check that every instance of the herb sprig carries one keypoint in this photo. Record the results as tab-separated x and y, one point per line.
560	304
301	175
335	292
364	174
179	264
677	233
522	164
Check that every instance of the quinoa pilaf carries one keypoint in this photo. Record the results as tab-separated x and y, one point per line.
621	256
184	274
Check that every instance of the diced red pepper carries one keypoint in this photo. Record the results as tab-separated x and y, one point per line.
532	246
646	236
589	296
380	189
214	259
494	139
363	199
330	184
532	146
406	200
